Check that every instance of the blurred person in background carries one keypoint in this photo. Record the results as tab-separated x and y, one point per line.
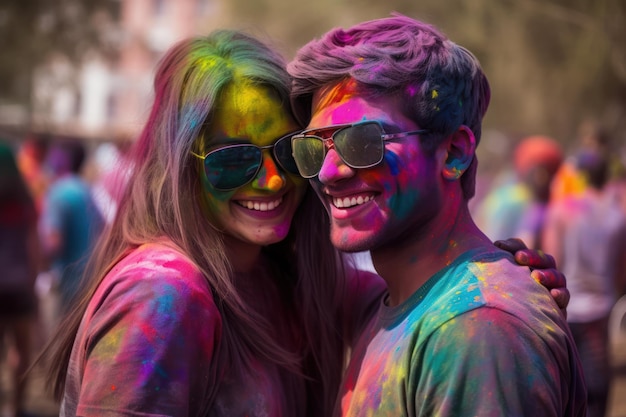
30	156
568	180
517	207
70	221
593	137
108	174
216	290
586	233
19	260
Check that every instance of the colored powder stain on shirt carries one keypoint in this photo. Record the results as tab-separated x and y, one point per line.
471	322
150	333
151	367
165	302
109	347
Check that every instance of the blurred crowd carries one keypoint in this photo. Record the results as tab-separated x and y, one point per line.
570	203
58	194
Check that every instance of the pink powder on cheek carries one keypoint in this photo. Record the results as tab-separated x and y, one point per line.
372	222
282	229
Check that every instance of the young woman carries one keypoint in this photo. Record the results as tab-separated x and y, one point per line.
216	290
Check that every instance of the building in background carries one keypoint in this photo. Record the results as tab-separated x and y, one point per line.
107	97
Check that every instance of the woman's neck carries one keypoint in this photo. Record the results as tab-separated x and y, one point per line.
242	256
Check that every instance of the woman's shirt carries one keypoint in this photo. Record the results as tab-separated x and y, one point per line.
149	345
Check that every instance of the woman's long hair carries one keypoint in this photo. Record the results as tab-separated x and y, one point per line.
162	199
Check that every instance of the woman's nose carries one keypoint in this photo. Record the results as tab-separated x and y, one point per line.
270	176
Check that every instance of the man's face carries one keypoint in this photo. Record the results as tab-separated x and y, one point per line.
379	206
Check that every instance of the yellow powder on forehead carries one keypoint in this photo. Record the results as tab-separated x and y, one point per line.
251	111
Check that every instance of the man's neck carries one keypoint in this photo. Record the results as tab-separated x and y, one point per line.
406	267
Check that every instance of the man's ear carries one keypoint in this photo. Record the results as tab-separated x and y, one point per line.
460	153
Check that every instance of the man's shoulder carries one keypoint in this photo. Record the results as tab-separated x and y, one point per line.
492	281
506	285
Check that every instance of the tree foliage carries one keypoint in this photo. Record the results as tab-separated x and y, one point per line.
31	31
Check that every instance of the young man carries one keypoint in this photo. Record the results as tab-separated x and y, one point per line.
395	117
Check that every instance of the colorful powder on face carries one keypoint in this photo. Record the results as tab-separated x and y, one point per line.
336	95
393	162
456	171
269	177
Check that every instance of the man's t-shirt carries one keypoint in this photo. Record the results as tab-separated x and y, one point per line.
480	338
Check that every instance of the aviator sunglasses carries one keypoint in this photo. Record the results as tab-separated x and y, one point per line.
359	145
233	166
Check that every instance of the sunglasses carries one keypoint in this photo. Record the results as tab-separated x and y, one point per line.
233	166
359	145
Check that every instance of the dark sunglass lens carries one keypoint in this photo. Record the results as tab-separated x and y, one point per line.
360	145
308	153
283	154
232	167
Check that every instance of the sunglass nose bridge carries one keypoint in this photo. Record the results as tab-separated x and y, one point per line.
329	144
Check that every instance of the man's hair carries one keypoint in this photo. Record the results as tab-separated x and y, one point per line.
442	83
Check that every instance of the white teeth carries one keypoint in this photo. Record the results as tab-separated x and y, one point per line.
348	202
260	206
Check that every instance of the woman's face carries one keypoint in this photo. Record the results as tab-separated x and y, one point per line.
260	211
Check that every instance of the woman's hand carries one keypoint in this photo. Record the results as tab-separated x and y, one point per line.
543	269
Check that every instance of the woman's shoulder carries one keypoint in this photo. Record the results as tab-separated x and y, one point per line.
157	259
154	269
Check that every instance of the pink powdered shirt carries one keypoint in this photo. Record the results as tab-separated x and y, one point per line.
148	344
